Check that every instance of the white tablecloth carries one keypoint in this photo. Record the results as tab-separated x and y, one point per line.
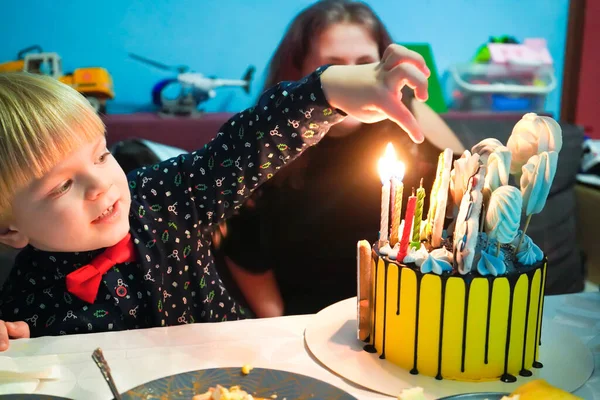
143	355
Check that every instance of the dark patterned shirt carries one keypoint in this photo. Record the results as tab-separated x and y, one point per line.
174	204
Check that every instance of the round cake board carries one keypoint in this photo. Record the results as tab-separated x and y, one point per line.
331	337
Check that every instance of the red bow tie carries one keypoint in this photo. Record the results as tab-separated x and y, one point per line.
85	281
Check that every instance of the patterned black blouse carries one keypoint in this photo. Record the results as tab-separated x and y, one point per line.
174	204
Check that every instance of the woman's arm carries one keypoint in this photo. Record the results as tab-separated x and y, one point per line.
436	131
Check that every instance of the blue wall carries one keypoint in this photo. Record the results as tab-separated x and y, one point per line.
223	38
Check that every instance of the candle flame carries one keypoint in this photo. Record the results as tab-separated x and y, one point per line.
389	166
399	170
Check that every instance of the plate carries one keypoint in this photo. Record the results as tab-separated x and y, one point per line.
477	396
31	397
331	338
261	382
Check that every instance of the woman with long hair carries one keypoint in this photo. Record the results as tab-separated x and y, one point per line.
293	250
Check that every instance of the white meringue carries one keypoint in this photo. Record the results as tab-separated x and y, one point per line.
533	135
503	214
498	168
536	180
465	167
485	148
416	256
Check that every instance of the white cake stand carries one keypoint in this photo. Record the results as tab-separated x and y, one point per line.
331	338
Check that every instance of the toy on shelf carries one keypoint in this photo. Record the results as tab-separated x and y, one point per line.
505	75
190	88
95	83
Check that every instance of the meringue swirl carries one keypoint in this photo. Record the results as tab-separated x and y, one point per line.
491	265
529	253
503	215
498	168
533	135
536	180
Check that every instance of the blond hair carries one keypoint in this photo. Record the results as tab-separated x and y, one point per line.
41	121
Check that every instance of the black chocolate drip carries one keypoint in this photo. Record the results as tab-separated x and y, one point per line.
543	275
440	341
369	348
536	363
414	370
385	291
464	337
512	280
489	315
526	372
506	377
399	286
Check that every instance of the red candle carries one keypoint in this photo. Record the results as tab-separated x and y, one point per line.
408	219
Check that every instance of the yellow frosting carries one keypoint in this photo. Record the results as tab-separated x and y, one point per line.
472	339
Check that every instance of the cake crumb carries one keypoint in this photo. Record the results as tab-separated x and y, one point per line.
246	369
415	393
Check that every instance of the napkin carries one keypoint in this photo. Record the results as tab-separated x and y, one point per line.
23	375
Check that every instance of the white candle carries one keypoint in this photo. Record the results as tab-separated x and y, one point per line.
385	205
386	167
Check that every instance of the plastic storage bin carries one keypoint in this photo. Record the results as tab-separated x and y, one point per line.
498	88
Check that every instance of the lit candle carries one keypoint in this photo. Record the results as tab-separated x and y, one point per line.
408	218
428	231
397	191
416	233
386	170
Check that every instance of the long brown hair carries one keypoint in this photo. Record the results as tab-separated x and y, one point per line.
296	45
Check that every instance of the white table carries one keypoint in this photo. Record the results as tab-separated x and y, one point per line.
143	355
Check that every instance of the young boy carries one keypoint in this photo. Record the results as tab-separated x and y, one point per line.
108	252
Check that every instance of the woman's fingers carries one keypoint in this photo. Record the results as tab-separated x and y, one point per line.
397	112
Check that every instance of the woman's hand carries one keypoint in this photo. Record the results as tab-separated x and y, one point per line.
372	92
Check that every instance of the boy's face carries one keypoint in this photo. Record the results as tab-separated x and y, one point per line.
81	204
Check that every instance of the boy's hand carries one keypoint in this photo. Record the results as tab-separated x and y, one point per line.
12	330
372	92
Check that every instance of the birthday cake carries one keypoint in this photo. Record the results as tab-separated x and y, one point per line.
458	294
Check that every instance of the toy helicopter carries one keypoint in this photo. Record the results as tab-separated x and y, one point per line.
190	88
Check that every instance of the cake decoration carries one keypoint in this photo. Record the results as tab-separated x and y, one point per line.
386	170
464	168
536	180
491	264
438	261
532	135
464	301
363	249
498	168
416	256
442	199
418	217
467	223
503	215
485	148
529	253
439	197
407	225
